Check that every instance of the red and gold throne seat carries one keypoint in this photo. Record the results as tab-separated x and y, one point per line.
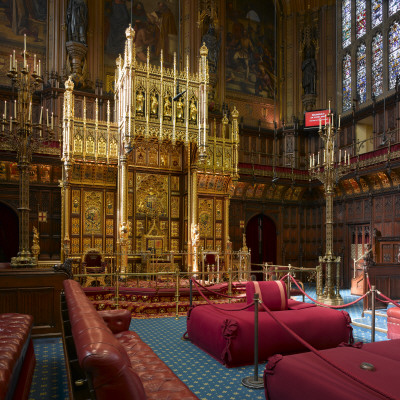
93	263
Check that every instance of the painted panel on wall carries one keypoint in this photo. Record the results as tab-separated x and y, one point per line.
19	18
155	24
250	47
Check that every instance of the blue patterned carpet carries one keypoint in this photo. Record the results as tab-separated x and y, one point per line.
207	378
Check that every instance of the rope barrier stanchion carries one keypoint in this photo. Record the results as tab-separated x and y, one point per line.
373	296
177	294
230	284
190	293
254	382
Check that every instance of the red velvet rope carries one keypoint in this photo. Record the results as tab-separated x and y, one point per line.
318	354
325	305
213	305
388	300
216	293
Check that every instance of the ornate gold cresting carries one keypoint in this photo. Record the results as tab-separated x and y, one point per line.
24	136
328	167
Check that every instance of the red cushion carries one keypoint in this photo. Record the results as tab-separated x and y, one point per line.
271	293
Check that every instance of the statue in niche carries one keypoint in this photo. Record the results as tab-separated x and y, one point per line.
139	102
77	19
154	104
213	44
167	108
179	110
193	112
309	68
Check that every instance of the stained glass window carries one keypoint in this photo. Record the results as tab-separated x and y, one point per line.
361	27
346	23
376	12
394	6
361	74
347	82
394	54
377	64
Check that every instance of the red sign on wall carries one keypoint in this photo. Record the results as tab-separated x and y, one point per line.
312	118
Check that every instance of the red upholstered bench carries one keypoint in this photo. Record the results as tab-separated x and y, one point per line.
393	323
116	363
307	377
17	357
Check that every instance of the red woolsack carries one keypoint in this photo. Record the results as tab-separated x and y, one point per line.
271	293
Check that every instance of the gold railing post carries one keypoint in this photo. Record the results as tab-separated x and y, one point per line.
230	284
177	294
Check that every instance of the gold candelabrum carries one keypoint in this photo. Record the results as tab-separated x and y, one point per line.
24	136
328	166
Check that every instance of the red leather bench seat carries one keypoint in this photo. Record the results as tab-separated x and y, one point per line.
306	376
17	357
393	323
120	365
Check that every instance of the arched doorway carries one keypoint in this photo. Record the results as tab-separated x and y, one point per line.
261	239
8	233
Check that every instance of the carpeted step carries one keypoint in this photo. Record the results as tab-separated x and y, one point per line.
162	309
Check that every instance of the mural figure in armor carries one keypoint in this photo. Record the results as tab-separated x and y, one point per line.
213	44
77	18
309	68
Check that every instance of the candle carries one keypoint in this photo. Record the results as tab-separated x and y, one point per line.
310	162
348	159
15	109
39	69
340	155
47	115
324	156
14	61
320	124
30	111
34	63
329	102
41	114
345	156
339	122
318	159
24	42
11	123
10	62
5	109
52	120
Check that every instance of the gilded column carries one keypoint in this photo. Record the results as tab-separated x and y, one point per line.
227	243
189	211
67	159
195	227
123	226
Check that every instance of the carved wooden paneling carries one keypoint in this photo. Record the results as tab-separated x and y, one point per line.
397	206
388	209
378	208
40	303
8	300
35	292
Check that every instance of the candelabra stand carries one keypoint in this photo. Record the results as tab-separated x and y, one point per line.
24	136
328	167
